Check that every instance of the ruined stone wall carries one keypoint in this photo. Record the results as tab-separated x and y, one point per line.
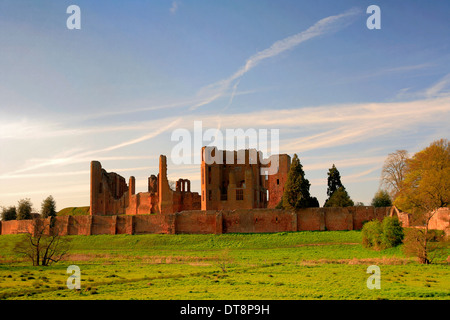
16	226
441	220
109	191
217	222
311	219
110	195
405	218
259	221
154	224
185	201
198	222
81	225
102	224
142	203
366	213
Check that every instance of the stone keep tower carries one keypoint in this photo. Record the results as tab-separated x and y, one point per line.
239	180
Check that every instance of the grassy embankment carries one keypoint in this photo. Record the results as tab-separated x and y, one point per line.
74	211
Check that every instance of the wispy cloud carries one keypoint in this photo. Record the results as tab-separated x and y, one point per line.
313	128
77	157
72	173
137	140
26	129
344	163
327	25
173	9
56	191
146	106
327	115
438	87
347	179
309	128
43	175
386	72
355	176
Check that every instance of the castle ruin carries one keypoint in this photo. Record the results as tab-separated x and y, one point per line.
243	180
110	194
238	195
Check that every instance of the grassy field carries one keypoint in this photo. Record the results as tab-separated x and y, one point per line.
297	265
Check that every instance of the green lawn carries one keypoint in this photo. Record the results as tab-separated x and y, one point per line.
293	265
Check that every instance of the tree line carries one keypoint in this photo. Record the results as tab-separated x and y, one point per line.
24	210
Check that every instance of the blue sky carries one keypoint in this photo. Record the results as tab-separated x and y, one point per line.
115	90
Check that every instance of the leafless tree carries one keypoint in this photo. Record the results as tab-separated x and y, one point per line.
224	260
393	172
44	245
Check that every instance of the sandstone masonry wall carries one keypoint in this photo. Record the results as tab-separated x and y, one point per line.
217	222
441	220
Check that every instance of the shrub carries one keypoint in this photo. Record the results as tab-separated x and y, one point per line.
371	234
392	232
382	235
